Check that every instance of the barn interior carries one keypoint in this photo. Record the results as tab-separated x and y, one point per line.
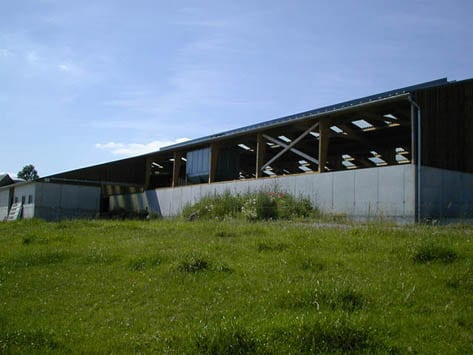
379	130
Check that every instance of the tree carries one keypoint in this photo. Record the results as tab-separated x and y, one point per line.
28	173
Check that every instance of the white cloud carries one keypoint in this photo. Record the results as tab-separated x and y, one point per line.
6	53
131	149
64	67
32	57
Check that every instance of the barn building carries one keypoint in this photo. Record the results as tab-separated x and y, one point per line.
403	154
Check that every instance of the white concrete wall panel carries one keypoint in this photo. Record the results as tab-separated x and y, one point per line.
392	190
381	192
344	192
409	189
322	192
366	192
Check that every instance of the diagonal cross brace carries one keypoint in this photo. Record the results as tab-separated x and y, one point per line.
290	147
294	150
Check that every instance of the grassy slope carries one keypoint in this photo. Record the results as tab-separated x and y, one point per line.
215	287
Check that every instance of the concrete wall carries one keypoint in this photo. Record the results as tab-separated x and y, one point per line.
378	192
4	201
26	192
446	194
56	201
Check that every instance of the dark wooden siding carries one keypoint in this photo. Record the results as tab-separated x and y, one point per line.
447	126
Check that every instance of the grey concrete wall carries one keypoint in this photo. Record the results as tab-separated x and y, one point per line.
4	200
446	194
24	191
376	192
57	201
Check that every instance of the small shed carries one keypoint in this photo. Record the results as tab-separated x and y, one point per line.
49	201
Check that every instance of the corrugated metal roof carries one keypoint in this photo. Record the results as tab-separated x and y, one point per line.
272	123
307	114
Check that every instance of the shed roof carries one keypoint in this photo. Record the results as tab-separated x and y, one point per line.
5	180
127	165
310	113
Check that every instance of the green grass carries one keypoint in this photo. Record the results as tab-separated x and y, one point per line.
234	287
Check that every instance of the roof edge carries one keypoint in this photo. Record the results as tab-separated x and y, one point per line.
306	114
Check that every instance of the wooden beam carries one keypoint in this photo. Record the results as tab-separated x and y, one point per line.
363	160
292	144
323	144
214	149
350	133
294	150
260	151
388	155
148	163
176	168
336	162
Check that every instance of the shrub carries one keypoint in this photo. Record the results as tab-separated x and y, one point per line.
214	207
290	207
260	206
252	206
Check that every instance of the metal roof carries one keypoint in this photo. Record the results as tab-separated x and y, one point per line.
6	179
392	94
310	113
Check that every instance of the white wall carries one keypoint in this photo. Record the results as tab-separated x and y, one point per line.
4	201
24	191
379	192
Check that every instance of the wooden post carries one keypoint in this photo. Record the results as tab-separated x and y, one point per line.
176	168
389	156
260	151
214	149
148	162
323	144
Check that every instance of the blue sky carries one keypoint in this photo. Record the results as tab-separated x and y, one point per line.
85	82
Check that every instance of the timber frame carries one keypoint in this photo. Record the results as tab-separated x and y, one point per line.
377	130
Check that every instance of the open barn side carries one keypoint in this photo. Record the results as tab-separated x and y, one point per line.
386	192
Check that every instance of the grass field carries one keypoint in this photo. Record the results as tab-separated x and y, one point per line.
234	287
